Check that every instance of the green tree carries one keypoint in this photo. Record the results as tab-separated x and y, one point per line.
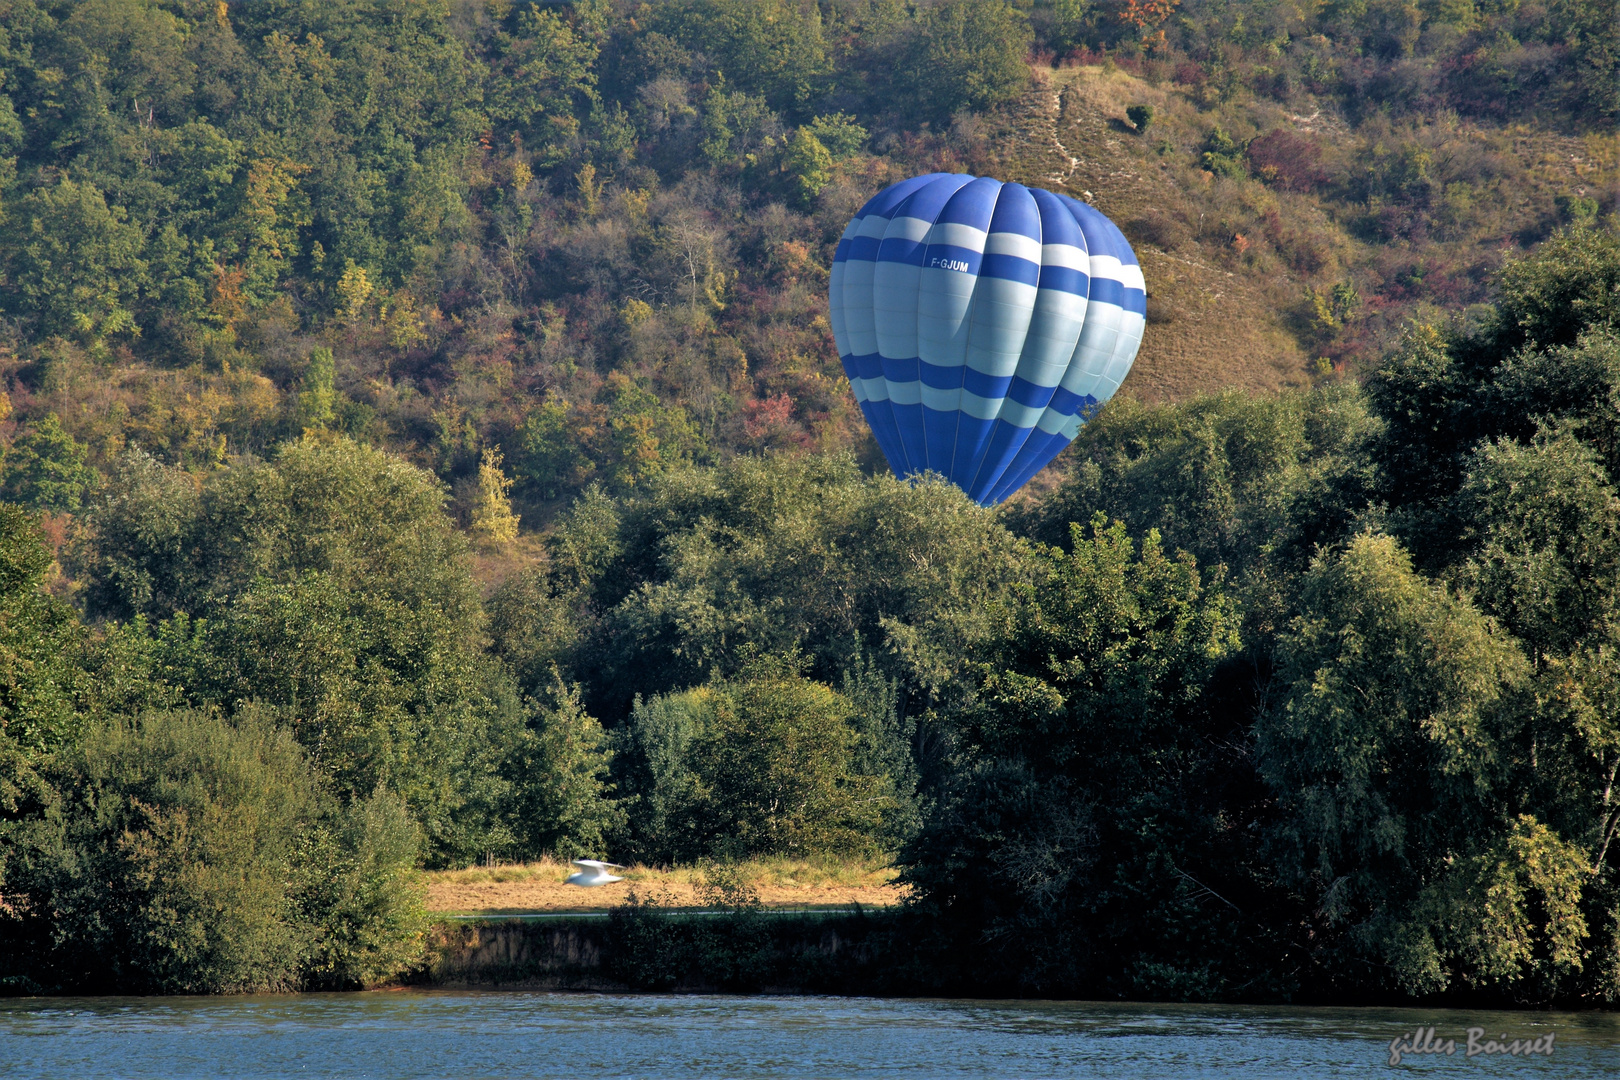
1253	483
492	517
776	765
839	133
550	459
1069	22
963	54
45	469
75	262
806	168
773	48
1087	805
543	80
146	522
656	776
1545	528
331	585
1567	287
316	394
567	808
1385	747
671	582
39	643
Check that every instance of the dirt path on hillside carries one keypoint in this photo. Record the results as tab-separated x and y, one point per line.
1209	328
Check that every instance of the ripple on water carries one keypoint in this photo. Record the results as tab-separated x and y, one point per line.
508	1034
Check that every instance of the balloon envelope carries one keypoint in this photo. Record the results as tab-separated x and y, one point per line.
981	323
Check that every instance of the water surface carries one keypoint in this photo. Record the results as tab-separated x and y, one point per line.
406	1034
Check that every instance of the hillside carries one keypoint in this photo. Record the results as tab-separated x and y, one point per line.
593	240
1212	323
1233	261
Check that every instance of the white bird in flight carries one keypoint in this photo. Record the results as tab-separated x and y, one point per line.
593	873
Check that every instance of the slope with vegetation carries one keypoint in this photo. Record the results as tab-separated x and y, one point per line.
424	446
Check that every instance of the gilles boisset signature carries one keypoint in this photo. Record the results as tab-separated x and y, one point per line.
1423	1041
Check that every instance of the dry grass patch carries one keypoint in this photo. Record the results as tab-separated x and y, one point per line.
539	886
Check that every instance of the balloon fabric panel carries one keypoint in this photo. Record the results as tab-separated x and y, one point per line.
981	323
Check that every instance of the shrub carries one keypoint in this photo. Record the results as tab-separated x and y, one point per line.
768	763
1140	116
1222	155
1287	160
191	854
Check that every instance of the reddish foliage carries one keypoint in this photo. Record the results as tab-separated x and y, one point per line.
1289	161
769	422
1189	73
54	529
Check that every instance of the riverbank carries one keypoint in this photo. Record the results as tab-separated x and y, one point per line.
538	887
643	947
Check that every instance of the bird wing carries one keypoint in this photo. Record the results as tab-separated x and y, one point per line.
590	863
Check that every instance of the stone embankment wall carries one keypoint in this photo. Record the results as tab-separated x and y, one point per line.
652	949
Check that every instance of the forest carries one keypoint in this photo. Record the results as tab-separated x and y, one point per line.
424	443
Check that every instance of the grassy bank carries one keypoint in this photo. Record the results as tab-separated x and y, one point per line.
533	887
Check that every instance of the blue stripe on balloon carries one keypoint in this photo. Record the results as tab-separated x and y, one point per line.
880	418
1064	279
972	437
1037	452
868	365
886	201
1034	452
1016	212
842	251
1067	402
1031	395
900	370
1011	268
886	432
1107	291
1005	442
1051	447
939	437
1058	225
941	376
864	248
909	419
899	250
993	387
1134	300
927	200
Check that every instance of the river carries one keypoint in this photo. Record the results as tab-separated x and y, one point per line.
402	1034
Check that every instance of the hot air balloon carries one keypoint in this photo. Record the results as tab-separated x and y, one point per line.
981	323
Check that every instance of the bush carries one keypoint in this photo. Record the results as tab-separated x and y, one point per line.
768	763
1287	160
1222	155
1140	116
190	854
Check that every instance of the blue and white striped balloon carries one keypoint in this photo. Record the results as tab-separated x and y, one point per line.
981	323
